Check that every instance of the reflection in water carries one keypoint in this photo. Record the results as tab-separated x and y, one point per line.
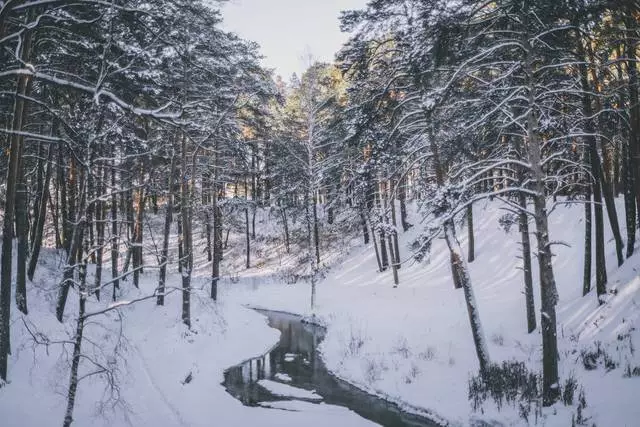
296	356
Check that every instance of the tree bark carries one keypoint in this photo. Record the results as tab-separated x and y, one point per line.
548	290
586	276
527	268
248	238
75	360
114	228
471	253
41	217
187	259
168	219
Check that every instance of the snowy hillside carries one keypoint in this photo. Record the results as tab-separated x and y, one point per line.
413	343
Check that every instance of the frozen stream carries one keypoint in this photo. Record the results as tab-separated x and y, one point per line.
292	376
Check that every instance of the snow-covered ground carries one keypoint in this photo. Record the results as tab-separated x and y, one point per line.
166	375
411	343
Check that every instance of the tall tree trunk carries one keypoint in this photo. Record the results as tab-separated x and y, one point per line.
114	228
101	217
217	235
548	290
187	258
285	223
41	217
479	340
607	192
629	199
594	161
37	200
365	229
207	219
316	232
461	271
22	231
384	260
526	258
75	359
586	276
137	236
377	251
634	103
168	219
394	222
248	238
402	194
73	257
471	253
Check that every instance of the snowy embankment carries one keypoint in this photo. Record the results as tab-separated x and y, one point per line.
162	374
413	343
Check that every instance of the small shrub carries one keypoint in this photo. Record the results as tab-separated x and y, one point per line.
355	342
498	339
510	383
402	348
413	373
594	357
428	354
569	389
579	419
630	372
506	221
373	371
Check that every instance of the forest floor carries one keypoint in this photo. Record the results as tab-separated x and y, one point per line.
411	344
160	372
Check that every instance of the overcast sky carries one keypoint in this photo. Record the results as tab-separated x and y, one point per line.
287	30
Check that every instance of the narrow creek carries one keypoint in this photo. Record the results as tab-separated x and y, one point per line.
294	371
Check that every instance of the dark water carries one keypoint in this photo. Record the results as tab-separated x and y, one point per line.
296	355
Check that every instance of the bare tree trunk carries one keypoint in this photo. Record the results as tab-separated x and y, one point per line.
384	260
396	245
100	224
586	276
136	251
548	290
187	258
629	200
479	340
285	222
217	237
471	256
75	360
41	218
37	199
72	258
168	219
22	231
460	271
316	233
402	194
207	221
248	238
527	268
365	229
114	229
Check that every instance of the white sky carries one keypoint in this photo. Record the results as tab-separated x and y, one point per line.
288	30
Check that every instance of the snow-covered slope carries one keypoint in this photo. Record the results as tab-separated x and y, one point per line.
413	343
162	374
